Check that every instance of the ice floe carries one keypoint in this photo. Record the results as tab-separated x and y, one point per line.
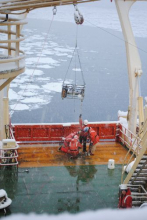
76	69
54	86
19	107
45	60
33	100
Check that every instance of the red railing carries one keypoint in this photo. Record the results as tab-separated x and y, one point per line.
55	132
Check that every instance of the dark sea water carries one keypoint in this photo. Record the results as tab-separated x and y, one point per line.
103	60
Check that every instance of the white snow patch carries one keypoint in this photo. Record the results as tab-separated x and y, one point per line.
103	214
122	114
129	167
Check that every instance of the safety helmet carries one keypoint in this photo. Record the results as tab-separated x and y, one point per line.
85	122
86	129
123	187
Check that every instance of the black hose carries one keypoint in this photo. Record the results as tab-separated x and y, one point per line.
5	19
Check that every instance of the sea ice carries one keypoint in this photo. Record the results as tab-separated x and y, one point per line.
45	66
33	100
54	86
12	94
34	72
19	107
42	60
76	69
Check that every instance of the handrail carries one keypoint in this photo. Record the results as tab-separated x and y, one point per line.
11	44
11	48
129	139
7	23
128	135
141	149
123	170
12	59
137	186
32	4
11	131
12	41
9	32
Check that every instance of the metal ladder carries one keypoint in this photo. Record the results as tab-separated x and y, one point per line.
138	183
137	177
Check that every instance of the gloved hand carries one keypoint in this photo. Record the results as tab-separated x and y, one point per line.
80	116
63	138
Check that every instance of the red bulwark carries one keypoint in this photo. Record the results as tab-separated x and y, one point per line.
55	132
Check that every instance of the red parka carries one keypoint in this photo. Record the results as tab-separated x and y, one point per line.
71	144
125	201
94	138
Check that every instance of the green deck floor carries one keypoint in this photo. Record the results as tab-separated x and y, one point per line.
58	189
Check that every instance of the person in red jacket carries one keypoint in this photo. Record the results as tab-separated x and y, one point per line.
94	139
71	144
125	199
83	135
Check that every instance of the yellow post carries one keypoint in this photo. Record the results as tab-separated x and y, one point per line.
145	112
6	116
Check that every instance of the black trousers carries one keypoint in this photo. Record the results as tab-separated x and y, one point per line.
83	140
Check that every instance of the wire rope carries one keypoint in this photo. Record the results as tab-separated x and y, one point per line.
76	55
81	68
69	65
116	36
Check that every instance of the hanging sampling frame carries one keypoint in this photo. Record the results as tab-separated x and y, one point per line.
73	90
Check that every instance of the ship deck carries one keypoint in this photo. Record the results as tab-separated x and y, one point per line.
56	183
48	155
